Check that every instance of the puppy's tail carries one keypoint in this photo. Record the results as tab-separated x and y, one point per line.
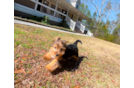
77	42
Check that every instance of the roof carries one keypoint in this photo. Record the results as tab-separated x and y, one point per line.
66	4
76	11
73	0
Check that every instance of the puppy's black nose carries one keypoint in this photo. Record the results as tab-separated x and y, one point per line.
57	54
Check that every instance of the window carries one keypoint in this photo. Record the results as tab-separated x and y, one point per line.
64	11
72	17
40	1
51	12
59	9
46	2
53	6
38	7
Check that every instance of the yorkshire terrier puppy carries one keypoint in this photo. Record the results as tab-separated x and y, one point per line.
56	51
57	48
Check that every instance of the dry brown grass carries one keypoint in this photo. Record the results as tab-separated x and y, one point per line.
101	70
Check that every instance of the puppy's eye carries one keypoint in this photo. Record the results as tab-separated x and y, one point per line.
55	47
61	49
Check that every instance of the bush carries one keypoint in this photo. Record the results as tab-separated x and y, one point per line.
36	18
45	20
64	24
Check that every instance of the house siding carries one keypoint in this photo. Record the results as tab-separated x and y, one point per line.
21	14
27	3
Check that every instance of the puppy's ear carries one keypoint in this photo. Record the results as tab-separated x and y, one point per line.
56	38
65	42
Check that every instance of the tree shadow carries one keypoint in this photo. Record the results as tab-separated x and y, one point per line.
69	65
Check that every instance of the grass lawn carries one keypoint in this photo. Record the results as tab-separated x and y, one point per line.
101	70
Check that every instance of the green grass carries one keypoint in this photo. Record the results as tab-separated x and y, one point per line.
17	43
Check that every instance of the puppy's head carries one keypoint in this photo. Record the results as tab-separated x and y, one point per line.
58	47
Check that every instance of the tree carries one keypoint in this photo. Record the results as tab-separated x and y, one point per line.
84	9
107	30
103	11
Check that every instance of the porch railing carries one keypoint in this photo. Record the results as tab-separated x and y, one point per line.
70	22
28	10
80	26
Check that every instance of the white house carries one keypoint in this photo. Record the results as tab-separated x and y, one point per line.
56	10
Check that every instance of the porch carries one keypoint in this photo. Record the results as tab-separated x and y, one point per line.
56	12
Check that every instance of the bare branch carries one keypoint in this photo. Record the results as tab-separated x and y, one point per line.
95	6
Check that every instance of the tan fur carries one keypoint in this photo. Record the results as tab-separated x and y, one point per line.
75	57
53	65
58	47
56	50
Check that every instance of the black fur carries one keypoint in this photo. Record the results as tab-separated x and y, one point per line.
77	42
71	50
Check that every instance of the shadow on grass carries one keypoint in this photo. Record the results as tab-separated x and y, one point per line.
69	65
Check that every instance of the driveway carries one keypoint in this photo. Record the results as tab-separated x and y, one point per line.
36	25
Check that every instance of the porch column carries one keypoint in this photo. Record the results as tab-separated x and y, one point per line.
78	17
56	8
83	27
67	12
82	18
35	8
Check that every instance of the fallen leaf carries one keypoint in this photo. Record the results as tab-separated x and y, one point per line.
34	61
15	61
35	85
118	85
89	77
26	55
25	81
98	76
67	81
21	62
18	81
20	71
34	54
23	58
39	69
78	83
31	72
74	73
89	64
113	81
76	86
60	78
81	75
46	74
107	86
83	84
39	84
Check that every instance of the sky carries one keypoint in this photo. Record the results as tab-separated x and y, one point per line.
92	8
